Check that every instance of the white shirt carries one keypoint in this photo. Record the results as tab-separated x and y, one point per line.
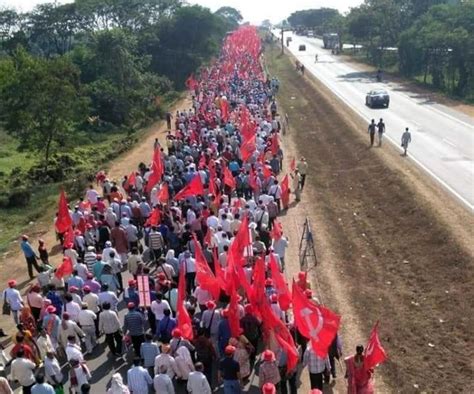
190	264
22	370
13	298
158	307
169	362
73	352
52	368
82	270
82	376
198	384
279	246
92	301
86	318
163	384
73	309
92	196
202	296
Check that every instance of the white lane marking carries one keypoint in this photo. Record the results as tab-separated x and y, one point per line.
449	142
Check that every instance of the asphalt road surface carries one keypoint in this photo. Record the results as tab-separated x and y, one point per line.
442	138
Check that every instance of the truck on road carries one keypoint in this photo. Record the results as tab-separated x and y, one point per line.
330	40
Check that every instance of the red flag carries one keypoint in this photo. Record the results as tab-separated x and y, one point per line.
277	230
191	83
193	188
253	179
229	178
164	193
374	352
284	295
293	164
68	240
157	170
248	148
272	324
182	314
63	221
204	275
154	219
275	144
314	322
234	321
220	273
285	192
132	178
225	110
65	269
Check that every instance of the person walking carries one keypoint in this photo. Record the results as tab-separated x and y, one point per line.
372	129
229	372
30	256
359	379
269	372
12	298
134	325
380	130
197	381
22	371
316	367
302	168
138	378
406	139
109	324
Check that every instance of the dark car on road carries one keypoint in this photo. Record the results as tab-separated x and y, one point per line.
302	48
377	98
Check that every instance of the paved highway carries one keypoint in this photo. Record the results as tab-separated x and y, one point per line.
442	138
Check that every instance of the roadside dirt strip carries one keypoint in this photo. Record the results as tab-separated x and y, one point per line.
392	245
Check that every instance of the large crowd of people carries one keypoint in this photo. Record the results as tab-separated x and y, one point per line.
191	246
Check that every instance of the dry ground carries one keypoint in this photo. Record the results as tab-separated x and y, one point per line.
392	245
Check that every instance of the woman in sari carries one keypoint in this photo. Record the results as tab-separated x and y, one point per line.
359	379
28	321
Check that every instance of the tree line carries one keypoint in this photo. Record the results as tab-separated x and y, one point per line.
434	38
94	65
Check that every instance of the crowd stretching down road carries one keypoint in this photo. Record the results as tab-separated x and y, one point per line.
192	247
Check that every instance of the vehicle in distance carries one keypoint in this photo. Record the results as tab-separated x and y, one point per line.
302	48
330	40
310	33
377	98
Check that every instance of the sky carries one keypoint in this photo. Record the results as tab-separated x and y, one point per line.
254	11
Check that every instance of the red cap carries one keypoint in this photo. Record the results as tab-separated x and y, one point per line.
229	350
248	308
88	226
268	355
177	333
132	282
161	276
86	289
308	293
315	391
225	312
90	275
274	298
302	275
66	316
51	309
69	245
210	304
77	232
12	283
268	388
131	305
269	282
73	289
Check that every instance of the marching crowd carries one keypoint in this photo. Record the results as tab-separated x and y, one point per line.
192	247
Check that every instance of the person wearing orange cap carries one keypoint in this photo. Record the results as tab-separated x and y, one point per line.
269	372
269	388
131	294
30	255
178	340
229	372
269	289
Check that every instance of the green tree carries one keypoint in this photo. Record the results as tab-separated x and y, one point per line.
233	16
43	102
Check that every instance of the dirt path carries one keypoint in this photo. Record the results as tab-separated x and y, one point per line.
392	245
12	264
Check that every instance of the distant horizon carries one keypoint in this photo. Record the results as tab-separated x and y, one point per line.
252	11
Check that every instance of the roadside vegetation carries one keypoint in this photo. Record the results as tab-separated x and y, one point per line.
430	41
79	81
